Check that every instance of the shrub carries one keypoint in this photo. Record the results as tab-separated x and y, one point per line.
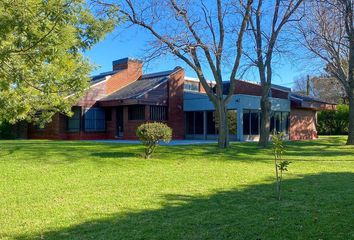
334	122
150	134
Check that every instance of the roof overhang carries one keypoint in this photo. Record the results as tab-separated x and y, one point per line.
127	102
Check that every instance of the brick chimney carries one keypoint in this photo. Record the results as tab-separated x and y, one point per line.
129	70
126	63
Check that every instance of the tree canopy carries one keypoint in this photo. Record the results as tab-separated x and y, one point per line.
42	67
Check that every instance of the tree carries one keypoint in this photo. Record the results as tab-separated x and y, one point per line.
42	68
266	23
328	33
324	87
206	35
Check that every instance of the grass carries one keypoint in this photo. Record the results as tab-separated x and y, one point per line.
87	190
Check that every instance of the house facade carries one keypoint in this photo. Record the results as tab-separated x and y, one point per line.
118	101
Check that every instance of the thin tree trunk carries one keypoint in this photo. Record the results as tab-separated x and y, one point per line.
350	140
223	127
265	117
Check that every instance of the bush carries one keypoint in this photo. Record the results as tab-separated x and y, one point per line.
333	122
150	134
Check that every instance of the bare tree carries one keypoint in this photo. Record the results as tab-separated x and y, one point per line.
266	24
324	87
328	32
204	34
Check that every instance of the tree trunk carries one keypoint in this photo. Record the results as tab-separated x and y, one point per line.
350	140
265	117
223	138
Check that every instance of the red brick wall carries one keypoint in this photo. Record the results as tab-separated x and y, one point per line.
50	131
243	87
302	124
175	104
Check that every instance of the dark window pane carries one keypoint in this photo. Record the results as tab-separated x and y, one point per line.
199	123
95	120
246	122
74	120
254	123
210	123
190	122
277	117
136	112
158	113
108	114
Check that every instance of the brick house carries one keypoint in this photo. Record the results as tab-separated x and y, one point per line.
118	101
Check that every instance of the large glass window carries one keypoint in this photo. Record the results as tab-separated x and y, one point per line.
279	122
211	123
246	123
254	123
158	113
194	122
251	121
136	112
95	120
74	120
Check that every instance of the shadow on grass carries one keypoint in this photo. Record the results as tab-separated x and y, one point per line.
313	207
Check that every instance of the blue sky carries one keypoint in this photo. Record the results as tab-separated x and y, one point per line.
131	43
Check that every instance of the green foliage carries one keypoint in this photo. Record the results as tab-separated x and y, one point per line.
150	134
42	67
280	164
334	122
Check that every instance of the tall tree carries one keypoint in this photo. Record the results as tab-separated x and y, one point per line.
206	35
328	33
42	68
324	87
266	24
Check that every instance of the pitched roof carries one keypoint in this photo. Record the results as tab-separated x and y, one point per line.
102	76
301	97
138	88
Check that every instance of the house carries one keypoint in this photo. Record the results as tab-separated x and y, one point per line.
118	101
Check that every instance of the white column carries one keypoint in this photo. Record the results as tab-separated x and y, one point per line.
240	124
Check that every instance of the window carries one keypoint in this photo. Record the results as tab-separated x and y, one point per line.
279	122
95	120
158	113
194	122
199	122
246	123
191	86
211	123
136	112
74	120
254	123
108	114
251	122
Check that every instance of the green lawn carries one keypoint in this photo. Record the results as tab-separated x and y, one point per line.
87	190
